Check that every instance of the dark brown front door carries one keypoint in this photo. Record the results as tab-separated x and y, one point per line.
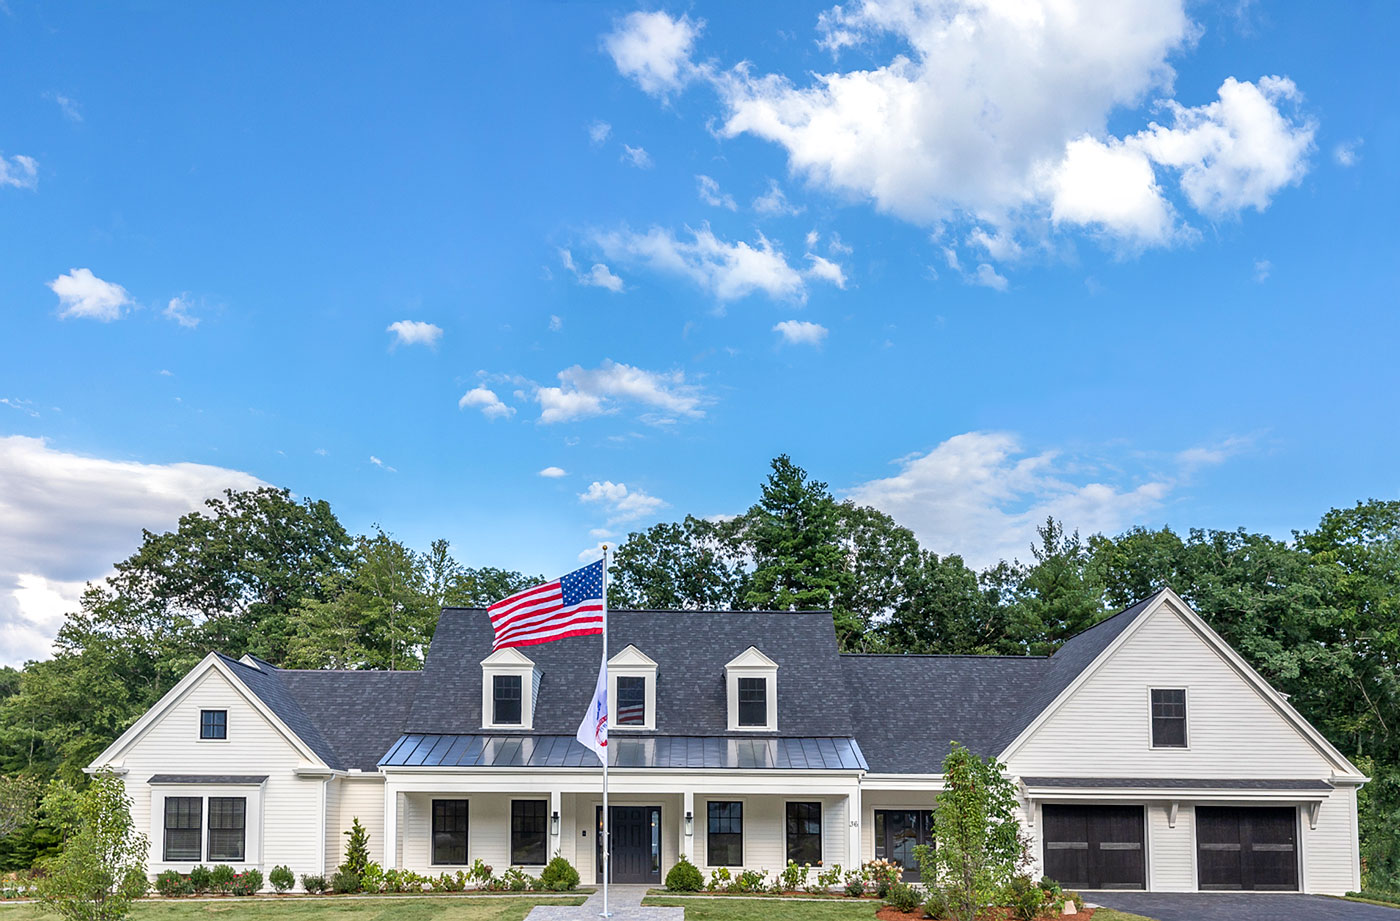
1095	847
898	832
636	844
1246	847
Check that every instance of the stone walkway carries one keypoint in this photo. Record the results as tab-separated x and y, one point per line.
624	902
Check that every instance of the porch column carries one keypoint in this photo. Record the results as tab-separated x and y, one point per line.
854	816
391	825
556	822
688	838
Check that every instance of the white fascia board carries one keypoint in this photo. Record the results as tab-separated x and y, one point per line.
915	782
1157	794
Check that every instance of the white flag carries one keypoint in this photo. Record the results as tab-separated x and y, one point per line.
593	731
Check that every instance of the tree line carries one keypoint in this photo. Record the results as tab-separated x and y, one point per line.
260	572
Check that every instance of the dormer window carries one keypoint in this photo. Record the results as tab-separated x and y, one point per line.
751	679
632	690
510	684
505	694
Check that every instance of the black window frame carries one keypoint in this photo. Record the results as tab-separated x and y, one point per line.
445	812
1169	728
500	682
794	838
525	816
190	836
213	725
750	684
729	817
223	811
634	683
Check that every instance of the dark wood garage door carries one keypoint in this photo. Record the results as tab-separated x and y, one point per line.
1095	847
1246	847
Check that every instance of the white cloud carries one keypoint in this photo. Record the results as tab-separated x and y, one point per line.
654	50
598	132
1262	269
24	406
556	323
553	473
710	193
67	518
70	108
995	113
588	392
801	332
1212	455
987	277
83	294
381	465
486	400
775	202
1348	153
415	332
727	271
621	503
636	156
599	276
1001	246
981	495
826	270
179	310
19	171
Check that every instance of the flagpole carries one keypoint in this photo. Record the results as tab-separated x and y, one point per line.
607	819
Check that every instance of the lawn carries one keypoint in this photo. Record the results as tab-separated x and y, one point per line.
438	908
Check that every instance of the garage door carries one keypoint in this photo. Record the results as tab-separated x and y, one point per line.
1095	847
1246	847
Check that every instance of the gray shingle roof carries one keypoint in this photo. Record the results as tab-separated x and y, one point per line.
690	648
231	779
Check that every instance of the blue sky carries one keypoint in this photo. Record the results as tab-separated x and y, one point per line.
1125	265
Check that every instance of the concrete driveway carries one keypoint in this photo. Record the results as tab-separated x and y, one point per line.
1240	906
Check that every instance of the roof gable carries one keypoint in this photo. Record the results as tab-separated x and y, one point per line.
632	657
752	657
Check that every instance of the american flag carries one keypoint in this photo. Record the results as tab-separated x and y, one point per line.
571	605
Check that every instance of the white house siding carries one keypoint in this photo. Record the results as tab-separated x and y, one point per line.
359	797
334	841
1105	728
1331	863
278	817
765	829
1171	852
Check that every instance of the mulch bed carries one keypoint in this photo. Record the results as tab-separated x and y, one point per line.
1000	914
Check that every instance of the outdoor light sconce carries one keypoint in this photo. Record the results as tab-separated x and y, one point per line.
554	823
690	823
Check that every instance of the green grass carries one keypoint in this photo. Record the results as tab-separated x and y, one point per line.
739	909
1108	914
440	908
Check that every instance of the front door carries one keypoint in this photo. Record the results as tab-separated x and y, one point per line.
898	832
636	844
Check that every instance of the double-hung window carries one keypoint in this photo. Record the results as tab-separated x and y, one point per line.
753	701
506	695
450	832
804	833
529	844
213	724
1168	718
184	818
631	700
724	834
228	823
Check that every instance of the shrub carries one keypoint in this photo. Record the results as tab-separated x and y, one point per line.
883	874
343	882
903	897
936	905
855	885
827	879
560	875
281	878
719	879
249	882
1053	895
1025	899
313	884
221	877
793	877
684	877
372	879
749	881
102	866
201	878
171	884
480	872
517	880
356	849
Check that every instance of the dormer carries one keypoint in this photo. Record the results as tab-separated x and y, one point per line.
510	683
751	679
632	690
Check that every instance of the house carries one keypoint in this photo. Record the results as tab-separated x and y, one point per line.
1147	754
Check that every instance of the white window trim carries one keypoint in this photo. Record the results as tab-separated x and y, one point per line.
252	823
1151	740
751	663
508	661
632	663
199	727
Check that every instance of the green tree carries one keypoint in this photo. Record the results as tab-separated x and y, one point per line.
944	610
102	866
19	801
356	849
1056	596
694	564
977	842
